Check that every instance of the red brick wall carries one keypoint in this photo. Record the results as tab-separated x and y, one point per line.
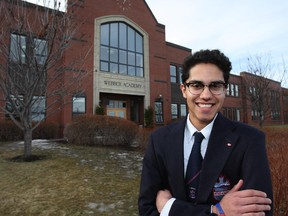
161	55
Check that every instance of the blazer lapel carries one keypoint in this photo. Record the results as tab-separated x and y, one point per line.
175	160
221	143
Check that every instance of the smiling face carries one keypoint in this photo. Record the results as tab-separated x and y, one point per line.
203	107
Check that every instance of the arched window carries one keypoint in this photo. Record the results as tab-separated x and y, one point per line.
121	49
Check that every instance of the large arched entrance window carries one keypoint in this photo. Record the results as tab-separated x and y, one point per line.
121	49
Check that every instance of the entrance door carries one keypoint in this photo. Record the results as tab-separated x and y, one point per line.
116	108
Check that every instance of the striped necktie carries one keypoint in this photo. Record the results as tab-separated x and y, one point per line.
194	168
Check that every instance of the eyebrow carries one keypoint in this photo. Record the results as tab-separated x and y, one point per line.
198	81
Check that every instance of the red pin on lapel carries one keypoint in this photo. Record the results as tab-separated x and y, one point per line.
229	144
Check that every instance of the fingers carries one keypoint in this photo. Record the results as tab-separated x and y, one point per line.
247	202
255	201
247	192
251	193
237	186
256	208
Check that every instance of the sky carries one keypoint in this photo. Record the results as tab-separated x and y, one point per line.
240	29
61	4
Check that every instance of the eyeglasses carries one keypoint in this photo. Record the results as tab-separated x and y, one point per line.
197	87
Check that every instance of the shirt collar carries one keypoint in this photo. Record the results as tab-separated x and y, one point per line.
206	131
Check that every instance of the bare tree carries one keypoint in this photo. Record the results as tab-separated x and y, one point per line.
263	93
35	79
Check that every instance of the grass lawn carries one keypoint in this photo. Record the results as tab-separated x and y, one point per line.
69	180
73	180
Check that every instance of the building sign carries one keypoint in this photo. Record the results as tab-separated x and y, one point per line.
124	84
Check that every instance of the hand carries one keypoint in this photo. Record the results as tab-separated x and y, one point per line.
245	202
162	198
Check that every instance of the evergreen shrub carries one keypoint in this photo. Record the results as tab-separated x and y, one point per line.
148	115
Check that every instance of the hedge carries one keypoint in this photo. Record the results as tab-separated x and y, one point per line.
101	130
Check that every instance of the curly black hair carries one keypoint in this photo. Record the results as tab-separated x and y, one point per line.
215	57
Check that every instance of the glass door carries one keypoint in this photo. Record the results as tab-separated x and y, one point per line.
116	108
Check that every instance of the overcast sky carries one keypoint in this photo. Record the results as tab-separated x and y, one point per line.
240	28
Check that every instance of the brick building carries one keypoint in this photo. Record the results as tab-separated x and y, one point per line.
132	67
238	105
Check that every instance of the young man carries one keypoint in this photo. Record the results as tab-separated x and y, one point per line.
233	178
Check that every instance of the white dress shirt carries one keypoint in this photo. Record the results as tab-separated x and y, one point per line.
188	145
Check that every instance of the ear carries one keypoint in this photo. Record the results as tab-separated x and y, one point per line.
183	90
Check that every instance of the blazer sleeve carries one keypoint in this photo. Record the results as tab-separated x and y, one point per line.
255	168
184	208
254	171
154	178
151	182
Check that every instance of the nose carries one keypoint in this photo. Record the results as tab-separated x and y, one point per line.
206	93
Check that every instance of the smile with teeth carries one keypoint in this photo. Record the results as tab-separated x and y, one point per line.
204	105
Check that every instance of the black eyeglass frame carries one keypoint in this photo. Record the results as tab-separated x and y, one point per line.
201	86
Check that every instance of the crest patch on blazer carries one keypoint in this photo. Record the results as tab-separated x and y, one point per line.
221	188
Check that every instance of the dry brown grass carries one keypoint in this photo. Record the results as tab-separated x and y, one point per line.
100	181
79	181
277	150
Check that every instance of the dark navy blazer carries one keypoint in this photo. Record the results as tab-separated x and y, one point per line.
235	151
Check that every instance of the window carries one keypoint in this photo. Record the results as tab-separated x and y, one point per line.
28	57
236	90
253	91
14	106
275	105
180	74
254	115
232	113
228	90
174	111
275	115
40	51
121	49
238	115
116	104
173	74
233	90
79	105
183	111
18	48
158	112
38	107
23	48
